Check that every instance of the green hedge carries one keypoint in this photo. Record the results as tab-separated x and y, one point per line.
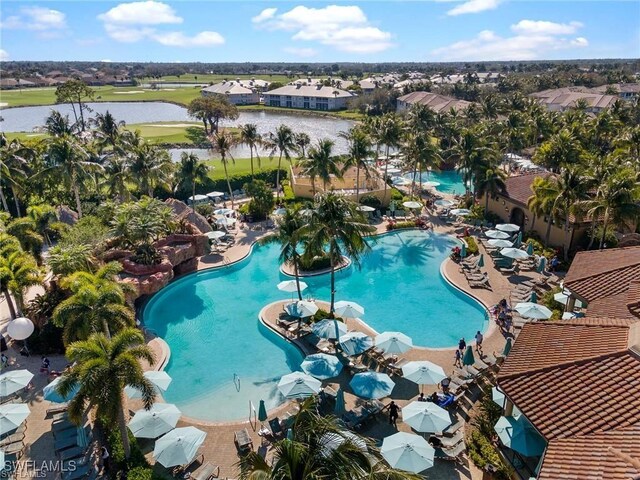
316	263
399	225
288	195
472	246
237	183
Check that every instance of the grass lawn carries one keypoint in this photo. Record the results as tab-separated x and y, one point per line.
242	166
214	78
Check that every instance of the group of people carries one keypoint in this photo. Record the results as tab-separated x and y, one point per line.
502	315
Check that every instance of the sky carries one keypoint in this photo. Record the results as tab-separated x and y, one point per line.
338	31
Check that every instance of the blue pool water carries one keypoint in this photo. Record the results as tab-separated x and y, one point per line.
210	319
450	180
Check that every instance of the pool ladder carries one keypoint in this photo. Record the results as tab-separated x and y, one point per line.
236	381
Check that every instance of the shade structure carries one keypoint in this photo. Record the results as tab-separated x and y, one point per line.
412	204
443	203
12	415
365	208
291	286
519	435
426	417
348	309
179	446
222	211
198	198
215	234
298	385
215	194
159	379
322	366
20	328
481	261
339	408
372	385
508	227
302	309
468	358
51	392
332	440
329	328
401	182
158	420
11	382
497	234
423	372
393	170
500	243
393	342
507	347
562	297
541	265
497	396
515	253
280	211
430	184
355	343
262	412
463	250
533	310
225	222
460	212
408	452
530	248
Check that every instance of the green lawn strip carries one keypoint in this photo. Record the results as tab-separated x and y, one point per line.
242	166
168	132
213	78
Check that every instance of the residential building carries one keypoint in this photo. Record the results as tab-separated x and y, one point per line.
436	102
334	82
626	91
234	92
307	97
560	99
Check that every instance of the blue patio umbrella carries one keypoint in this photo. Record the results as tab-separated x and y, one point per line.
393	342
339	409
518	241
355	343
407	451
51	392
507	347
534	297
530	248
179	446
298	385
372	385
541	265
481	261
158	420
322	366
497	396
262	412
463	250
468	358
519	435
329	328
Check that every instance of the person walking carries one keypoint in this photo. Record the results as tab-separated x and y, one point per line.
393	413
104	457
458	360
479	339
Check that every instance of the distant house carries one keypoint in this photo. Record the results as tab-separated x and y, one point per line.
436	102
234	92
626	91
335	82
10	83
560	99
316	97
369	84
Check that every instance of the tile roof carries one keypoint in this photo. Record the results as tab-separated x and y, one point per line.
434	101
613	455
309	91
568	97
518	187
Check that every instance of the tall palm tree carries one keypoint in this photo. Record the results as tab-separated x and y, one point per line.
471	153
307	456
26	231
97	304
541	203
45	220
58	125
14	160
570	189
561	150
250	137
223	142
101	368
191	172
320	163
287	235
150	166
359	150
108	129
420	153
337	224
283	143
117	178
389	134
18	272
490	182
302	142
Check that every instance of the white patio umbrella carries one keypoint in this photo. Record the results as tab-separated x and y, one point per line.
331	441
215	194
426	417
348	309
302	309
222	211
508	227
290	286
401	182
12	415
393	170
407	451
298	385
158	420
179	446
515	253
20	329
394	342
443	203
365	208
159	379
423	372
562	297
11	382
329	328
497	234
355	343
225	222
215	234
500	243
460	212
533	310
412	205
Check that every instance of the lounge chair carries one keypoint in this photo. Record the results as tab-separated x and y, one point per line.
243	441
14	448
207	472
453	428
14	437
396	367
62	426
66	442
508	270
57	409
70	453
449	442
450	454
481	284
276	428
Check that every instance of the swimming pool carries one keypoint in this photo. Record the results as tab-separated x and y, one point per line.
450	180
210	319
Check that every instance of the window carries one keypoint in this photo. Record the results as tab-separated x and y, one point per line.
306	105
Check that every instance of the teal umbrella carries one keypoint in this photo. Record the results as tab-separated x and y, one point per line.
468	358
507	347
463	250
11	382
534	297
262	412
12	415
355	343
322	366
51	392
298	385
426	417
541	265
497	396
290	434
407	451
158	420
519	435
372	385
329	328
340	409
530	248
481	261
518	241
393	342
179	446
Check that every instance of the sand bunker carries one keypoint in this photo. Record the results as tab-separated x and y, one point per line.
3	104
170	125
129	93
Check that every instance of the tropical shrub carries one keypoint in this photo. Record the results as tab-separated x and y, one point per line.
472	246
371	201
89	230
262	200
288	195
396	195
205	209
316	263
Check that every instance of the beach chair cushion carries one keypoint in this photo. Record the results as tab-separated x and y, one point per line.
276	428
207	472
243	440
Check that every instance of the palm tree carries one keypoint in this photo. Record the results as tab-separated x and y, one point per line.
18	272
288	237
58	125
45	220
561	150
306	455
570	191
108	129
541	203
223	142
117	178
150	166
250	137
191	173
97	304
470	152
335	222
421	152
359	151
490	183
389	134
69	160
321	164
302	142
25	230
283	143
101	368
14	159
68	259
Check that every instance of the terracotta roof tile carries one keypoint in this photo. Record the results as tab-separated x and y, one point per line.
518	187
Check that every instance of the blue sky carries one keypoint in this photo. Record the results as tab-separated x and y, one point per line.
374	31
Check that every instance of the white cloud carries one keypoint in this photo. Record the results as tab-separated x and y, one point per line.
474	6
345	28
136	21
105	60
3	55
532	40
265	14
301	52
48	23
